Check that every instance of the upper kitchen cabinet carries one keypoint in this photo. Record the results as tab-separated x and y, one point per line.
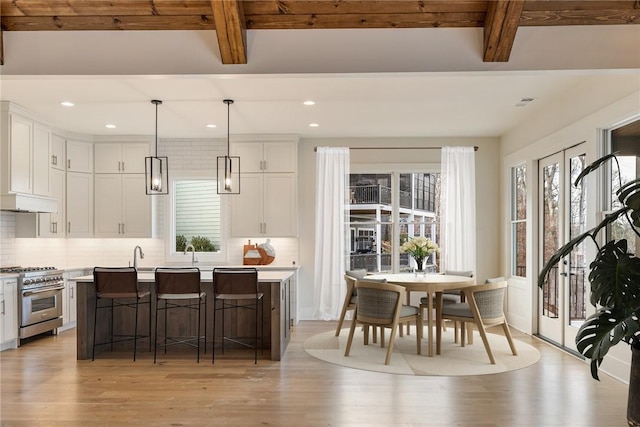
79	156
265	207
122	209
267	203
25	152
58	150
266	156
126	157
25	147
79	210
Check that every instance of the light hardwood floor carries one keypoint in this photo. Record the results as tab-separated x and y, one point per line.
44	385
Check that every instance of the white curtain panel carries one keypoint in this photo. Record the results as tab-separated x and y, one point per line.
332	238
458	209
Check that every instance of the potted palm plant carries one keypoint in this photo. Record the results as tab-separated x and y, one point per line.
614	278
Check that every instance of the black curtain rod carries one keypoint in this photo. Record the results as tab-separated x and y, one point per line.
475	148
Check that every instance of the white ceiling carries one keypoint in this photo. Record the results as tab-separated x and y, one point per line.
365	83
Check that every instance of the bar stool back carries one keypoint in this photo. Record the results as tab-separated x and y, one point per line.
180	288
120	286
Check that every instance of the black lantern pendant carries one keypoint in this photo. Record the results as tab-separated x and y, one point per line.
156	168
228	167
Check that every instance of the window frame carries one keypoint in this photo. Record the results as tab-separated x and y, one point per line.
514	221
394	169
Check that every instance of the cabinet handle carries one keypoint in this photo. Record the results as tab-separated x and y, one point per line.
55	227
68	163
69	227
122	166
123	228
3	308
265	165
53	159
71	293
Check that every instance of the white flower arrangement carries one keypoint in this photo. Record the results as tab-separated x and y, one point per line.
419	248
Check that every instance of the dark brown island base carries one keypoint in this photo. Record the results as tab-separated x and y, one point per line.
277	316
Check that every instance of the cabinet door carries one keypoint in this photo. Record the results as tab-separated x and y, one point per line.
108	205
53	224
79	204
279	157
58	157
280	208
21	147
9	311
246	207
41	160
79	156
250	155
136	207
133	155
107	158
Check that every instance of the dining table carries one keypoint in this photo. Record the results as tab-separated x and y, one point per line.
433	284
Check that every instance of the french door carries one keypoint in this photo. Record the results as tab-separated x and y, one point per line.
563	214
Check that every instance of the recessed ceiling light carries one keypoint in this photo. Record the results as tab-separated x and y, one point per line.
313	125
309	103
67	104
211	126
110	126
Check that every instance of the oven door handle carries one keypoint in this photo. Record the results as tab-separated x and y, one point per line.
28	293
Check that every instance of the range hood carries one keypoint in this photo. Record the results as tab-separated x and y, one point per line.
28	203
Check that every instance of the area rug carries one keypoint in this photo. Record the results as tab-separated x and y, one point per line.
454	360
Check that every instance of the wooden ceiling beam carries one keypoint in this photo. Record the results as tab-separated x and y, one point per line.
104	7
108	23
230	30
500	27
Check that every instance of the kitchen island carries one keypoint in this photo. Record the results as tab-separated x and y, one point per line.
277	314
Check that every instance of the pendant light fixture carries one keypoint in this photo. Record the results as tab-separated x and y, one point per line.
156	168
228	167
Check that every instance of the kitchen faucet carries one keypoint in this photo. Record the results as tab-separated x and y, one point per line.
135	259
193	254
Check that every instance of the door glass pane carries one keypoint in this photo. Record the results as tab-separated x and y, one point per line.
550	241
577	226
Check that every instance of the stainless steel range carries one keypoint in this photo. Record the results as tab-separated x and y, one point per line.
39	299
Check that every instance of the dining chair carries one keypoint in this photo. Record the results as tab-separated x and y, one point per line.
380	305
119	285
180	289
484	307
448	297
349	303
237	289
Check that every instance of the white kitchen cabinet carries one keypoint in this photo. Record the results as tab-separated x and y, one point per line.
79	156
122	209
79	209
120	157
69	306
53	224
265	207
58	150
41	159
46	224
27	147
266	157
9	314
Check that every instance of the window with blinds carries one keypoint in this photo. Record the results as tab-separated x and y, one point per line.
197	215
